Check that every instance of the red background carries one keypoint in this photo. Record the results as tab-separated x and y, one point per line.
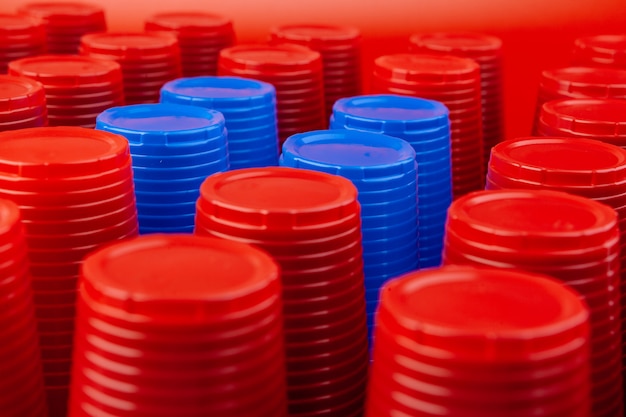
536	34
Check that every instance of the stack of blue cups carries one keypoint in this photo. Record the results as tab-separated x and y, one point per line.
426	126
249	107
174	149
384	171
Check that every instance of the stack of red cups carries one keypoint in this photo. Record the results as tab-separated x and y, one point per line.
179	325
296	73
601	51
201	37
599	119
571	238
66	22
580	83
78	88
148	60
21	388
74	187
454	82
479	342
310	223
584	167
487	52
20	36
22	103
340	48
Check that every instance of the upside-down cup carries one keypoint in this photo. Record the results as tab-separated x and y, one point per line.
309	222
249	109
600	51
571	238
580	83
377	165
201	37
39	168
77	88
340	48
486	50
205	346
148	60
479	341
22	387
294	70
600	119
584	167
426	126
20	36
65	22
455	82
174	148
22	103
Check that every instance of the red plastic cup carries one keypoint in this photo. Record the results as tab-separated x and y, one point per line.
309	222
553	233
584	118
282	65
455	82
600	51
561	164
148	60
340	48
22	101
580	83
22	387
184	365
463	341
20	37
584	167
201	37
487	52
84	162
66	22
97	84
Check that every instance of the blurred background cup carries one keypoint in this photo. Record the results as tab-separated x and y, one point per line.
486	50
456	83
148	60
22	103
77	88
600	51
20	37
201	37
294	70
340	48
580	83
65	22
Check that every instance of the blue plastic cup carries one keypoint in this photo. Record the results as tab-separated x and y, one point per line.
366	159
248	106
377	165
174	148
424	124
